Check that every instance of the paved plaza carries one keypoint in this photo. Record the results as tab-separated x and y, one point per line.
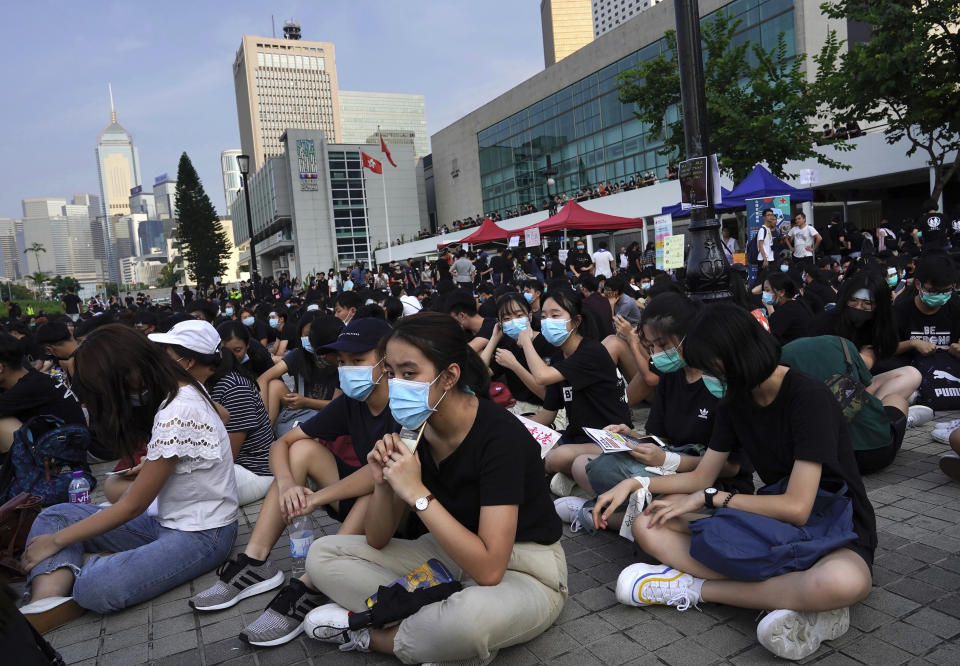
912	616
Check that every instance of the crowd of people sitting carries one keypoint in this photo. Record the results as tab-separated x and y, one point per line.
391	398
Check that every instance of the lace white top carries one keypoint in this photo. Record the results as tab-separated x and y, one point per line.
201	494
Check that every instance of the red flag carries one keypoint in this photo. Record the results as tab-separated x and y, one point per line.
386	151
371	163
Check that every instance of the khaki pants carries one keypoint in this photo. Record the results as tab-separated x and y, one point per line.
473	622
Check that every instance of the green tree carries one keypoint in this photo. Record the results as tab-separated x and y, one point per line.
169	275
39	279
17	291
112	289
203	242
36	248
759	104
905	76
61	284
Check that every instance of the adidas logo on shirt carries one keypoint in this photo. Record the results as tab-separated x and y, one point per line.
704	413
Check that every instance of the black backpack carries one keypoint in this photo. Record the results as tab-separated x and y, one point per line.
42	459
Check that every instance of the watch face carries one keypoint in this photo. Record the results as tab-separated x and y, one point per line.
421	504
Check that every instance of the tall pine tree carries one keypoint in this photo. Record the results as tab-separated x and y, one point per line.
203	242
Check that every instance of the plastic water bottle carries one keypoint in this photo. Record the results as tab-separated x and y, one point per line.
301	536
79	490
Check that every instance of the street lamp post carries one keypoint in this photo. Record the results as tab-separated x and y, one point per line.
243	163
708	272
549	173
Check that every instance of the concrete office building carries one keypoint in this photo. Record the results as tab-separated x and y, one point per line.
567	26
283	83
231	175
608	14
143	202
141	270
91	201
43	207
165	197
69	245
315	207
9	252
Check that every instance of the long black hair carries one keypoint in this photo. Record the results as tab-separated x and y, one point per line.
727	342
881	330
572	302
114	363
443	341
670	313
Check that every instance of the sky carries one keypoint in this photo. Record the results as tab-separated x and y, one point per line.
170	64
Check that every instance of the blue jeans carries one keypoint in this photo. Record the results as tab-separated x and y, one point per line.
147	559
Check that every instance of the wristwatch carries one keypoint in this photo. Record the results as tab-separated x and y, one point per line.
708	495
422	502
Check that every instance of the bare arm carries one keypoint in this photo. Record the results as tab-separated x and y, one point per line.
542	373
276	372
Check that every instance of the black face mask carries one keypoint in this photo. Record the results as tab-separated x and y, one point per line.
858	317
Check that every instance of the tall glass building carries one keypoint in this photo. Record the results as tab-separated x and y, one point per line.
589	135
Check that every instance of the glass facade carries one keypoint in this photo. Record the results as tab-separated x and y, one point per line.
590	136
402	119
349	206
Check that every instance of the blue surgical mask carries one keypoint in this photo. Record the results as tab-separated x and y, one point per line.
356	381
246	357
717	387
555	331
410	402
305	345
769	298
528	296
247	321
668	360
228	312
512	327
274	322
784	268
934	300
644	285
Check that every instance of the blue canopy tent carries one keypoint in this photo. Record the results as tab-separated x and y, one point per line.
760	183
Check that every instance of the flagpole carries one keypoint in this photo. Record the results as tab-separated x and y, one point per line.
386	213
371	257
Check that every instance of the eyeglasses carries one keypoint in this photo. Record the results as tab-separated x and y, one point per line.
942	290
860	303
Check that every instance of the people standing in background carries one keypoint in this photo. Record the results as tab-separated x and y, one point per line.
603	263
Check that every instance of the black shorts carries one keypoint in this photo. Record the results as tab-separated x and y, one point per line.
873	460
340	513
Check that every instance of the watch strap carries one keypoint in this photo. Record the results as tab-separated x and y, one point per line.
428	498
708	498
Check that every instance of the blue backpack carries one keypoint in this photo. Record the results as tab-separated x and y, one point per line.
44	454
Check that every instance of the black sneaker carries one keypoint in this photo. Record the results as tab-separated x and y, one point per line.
282	621
239	579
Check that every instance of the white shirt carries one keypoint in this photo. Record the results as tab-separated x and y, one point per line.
766	239
601	263
730	247
624	264
201	494
411	305
802	238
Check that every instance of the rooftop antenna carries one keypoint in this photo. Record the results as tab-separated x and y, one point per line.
113	111
291	30
273	25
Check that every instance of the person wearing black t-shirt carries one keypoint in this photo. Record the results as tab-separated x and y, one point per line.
585	381
254	358
344	490
681	414
71	304
461	305
929	322
789	318
792	430
476	483
932	229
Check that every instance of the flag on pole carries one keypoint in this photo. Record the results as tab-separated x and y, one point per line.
371	163
385	150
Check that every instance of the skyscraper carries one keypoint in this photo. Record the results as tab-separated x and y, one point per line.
43	207
231	175
401	117
567	26
283	83
118	165
609	14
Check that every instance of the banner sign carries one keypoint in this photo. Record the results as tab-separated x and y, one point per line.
662	228
673	251
755	207
531	237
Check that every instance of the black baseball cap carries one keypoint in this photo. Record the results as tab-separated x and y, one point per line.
360	335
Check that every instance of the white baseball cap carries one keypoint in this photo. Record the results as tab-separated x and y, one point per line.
194	334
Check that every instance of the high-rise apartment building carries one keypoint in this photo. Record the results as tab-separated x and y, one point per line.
608	14
567	27
9	253
118	165
165	197
401	117
282	83
143	202
231	175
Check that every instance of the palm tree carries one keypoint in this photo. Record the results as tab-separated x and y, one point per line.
36	248
39	278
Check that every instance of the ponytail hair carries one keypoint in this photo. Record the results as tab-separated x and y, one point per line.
443	341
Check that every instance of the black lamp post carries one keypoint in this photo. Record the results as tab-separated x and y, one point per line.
549	173
243	163
708	272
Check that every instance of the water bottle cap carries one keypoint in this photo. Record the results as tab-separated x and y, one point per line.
78	474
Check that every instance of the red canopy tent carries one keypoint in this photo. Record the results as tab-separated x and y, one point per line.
487	232
574	217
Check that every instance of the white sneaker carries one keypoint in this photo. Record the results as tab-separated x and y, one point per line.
330	623
657	584
951	425
950	465
942	435
917	415
795	635
562	485
568	508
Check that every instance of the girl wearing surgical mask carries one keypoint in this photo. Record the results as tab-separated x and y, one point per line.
258	330
313	370
789	318
584	381
253	357
475	483
342	479
681	414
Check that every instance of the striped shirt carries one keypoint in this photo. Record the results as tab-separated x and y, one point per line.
241	398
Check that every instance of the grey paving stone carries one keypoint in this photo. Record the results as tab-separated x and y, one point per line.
871	650
836	659
912	639
74	633
588	627
120	639
580	657
936	622
916	590
225	628
79	651
949	604
942	578
687	653
187	658
128	618
890	603
128	656
596	598
173	625
947	655
518	655
217	653
624	617
172	644
551	643
161	611
755	655
282	655
724	640
616	649
690	622
654	635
